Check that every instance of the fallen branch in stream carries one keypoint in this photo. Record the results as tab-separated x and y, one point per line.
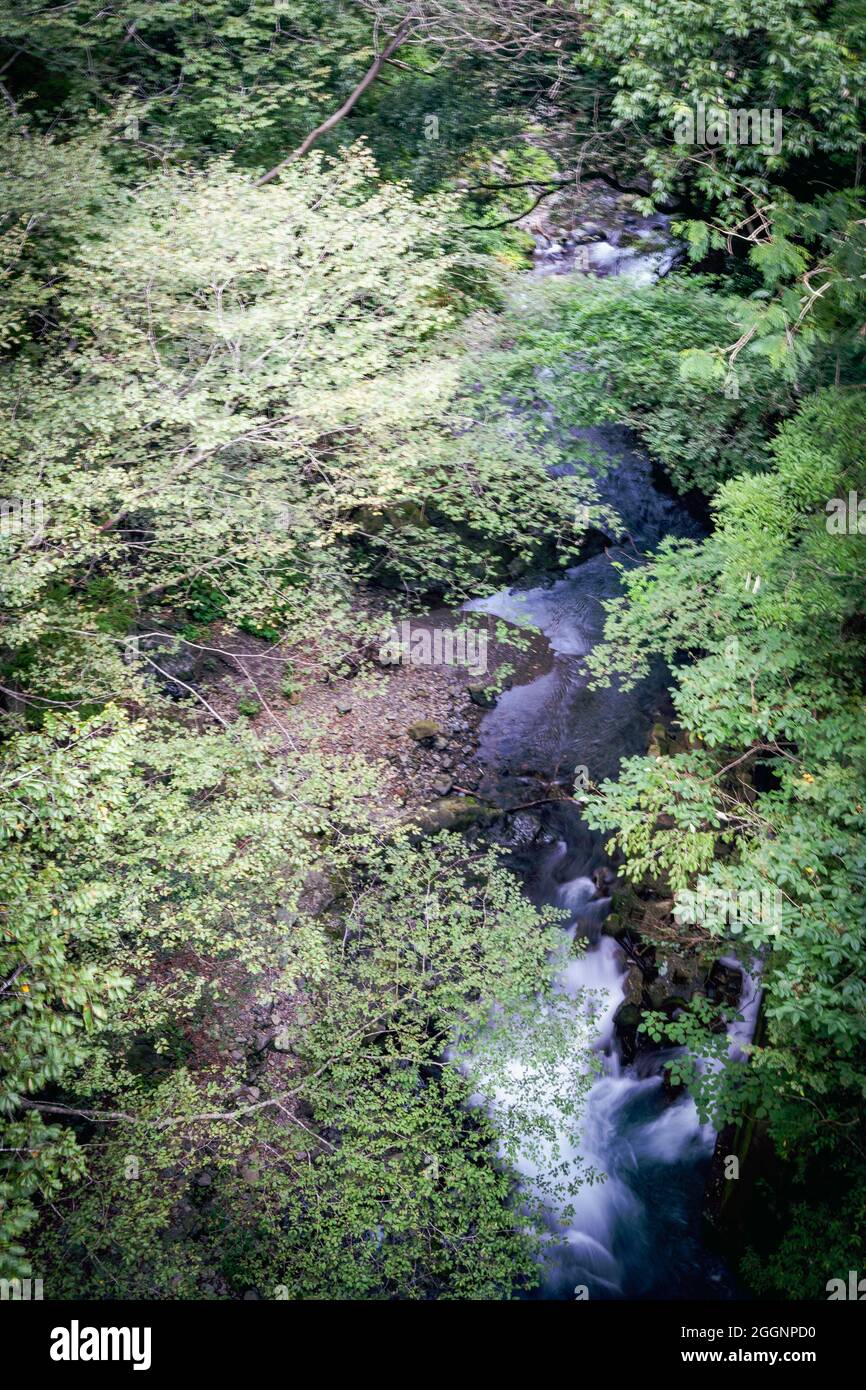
522	806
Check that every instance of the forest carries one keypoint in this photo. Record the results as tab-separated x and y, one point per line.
480	969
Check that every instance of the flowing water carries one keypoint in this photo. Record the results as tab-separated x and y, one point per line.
638	1233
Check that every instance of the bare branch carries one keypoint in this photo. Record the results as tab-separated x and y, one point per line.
367	80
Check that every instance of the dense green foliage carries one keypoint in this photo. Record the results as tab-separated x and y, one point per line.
771	798
184	77
606	351
154	883
245	1012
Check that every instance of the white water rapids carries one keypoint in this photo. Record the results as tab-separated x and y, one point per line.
637	1233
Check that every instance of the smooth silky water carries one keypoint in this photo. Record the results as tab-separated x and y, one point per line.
638	1233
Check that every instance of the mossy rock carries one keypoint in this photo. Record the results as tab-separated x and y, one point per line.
454	813
627	1017
424	729
481	696
658	741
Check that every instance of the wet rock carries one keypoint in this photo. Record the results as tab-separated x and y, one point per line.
443	786
657	992
673	1003
676	981
725	984
454	813
480	696
424	731
520	829
685	972
627	1016
658	741
633	985
604	879
625	1022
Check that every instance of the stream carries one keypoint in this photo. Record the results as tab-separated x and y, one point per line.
638	1233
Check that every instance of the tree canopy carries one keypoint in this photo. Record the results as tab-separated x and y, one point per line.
272	369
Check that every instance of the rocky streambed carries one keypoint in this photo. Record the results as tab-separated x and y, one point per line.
640	1233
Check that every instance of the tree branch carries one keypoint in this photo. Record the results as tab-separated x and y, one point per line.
399	36
548	187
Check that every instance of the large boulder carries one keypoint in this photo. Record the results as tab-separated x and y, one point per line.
604	878
613	925
680	974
